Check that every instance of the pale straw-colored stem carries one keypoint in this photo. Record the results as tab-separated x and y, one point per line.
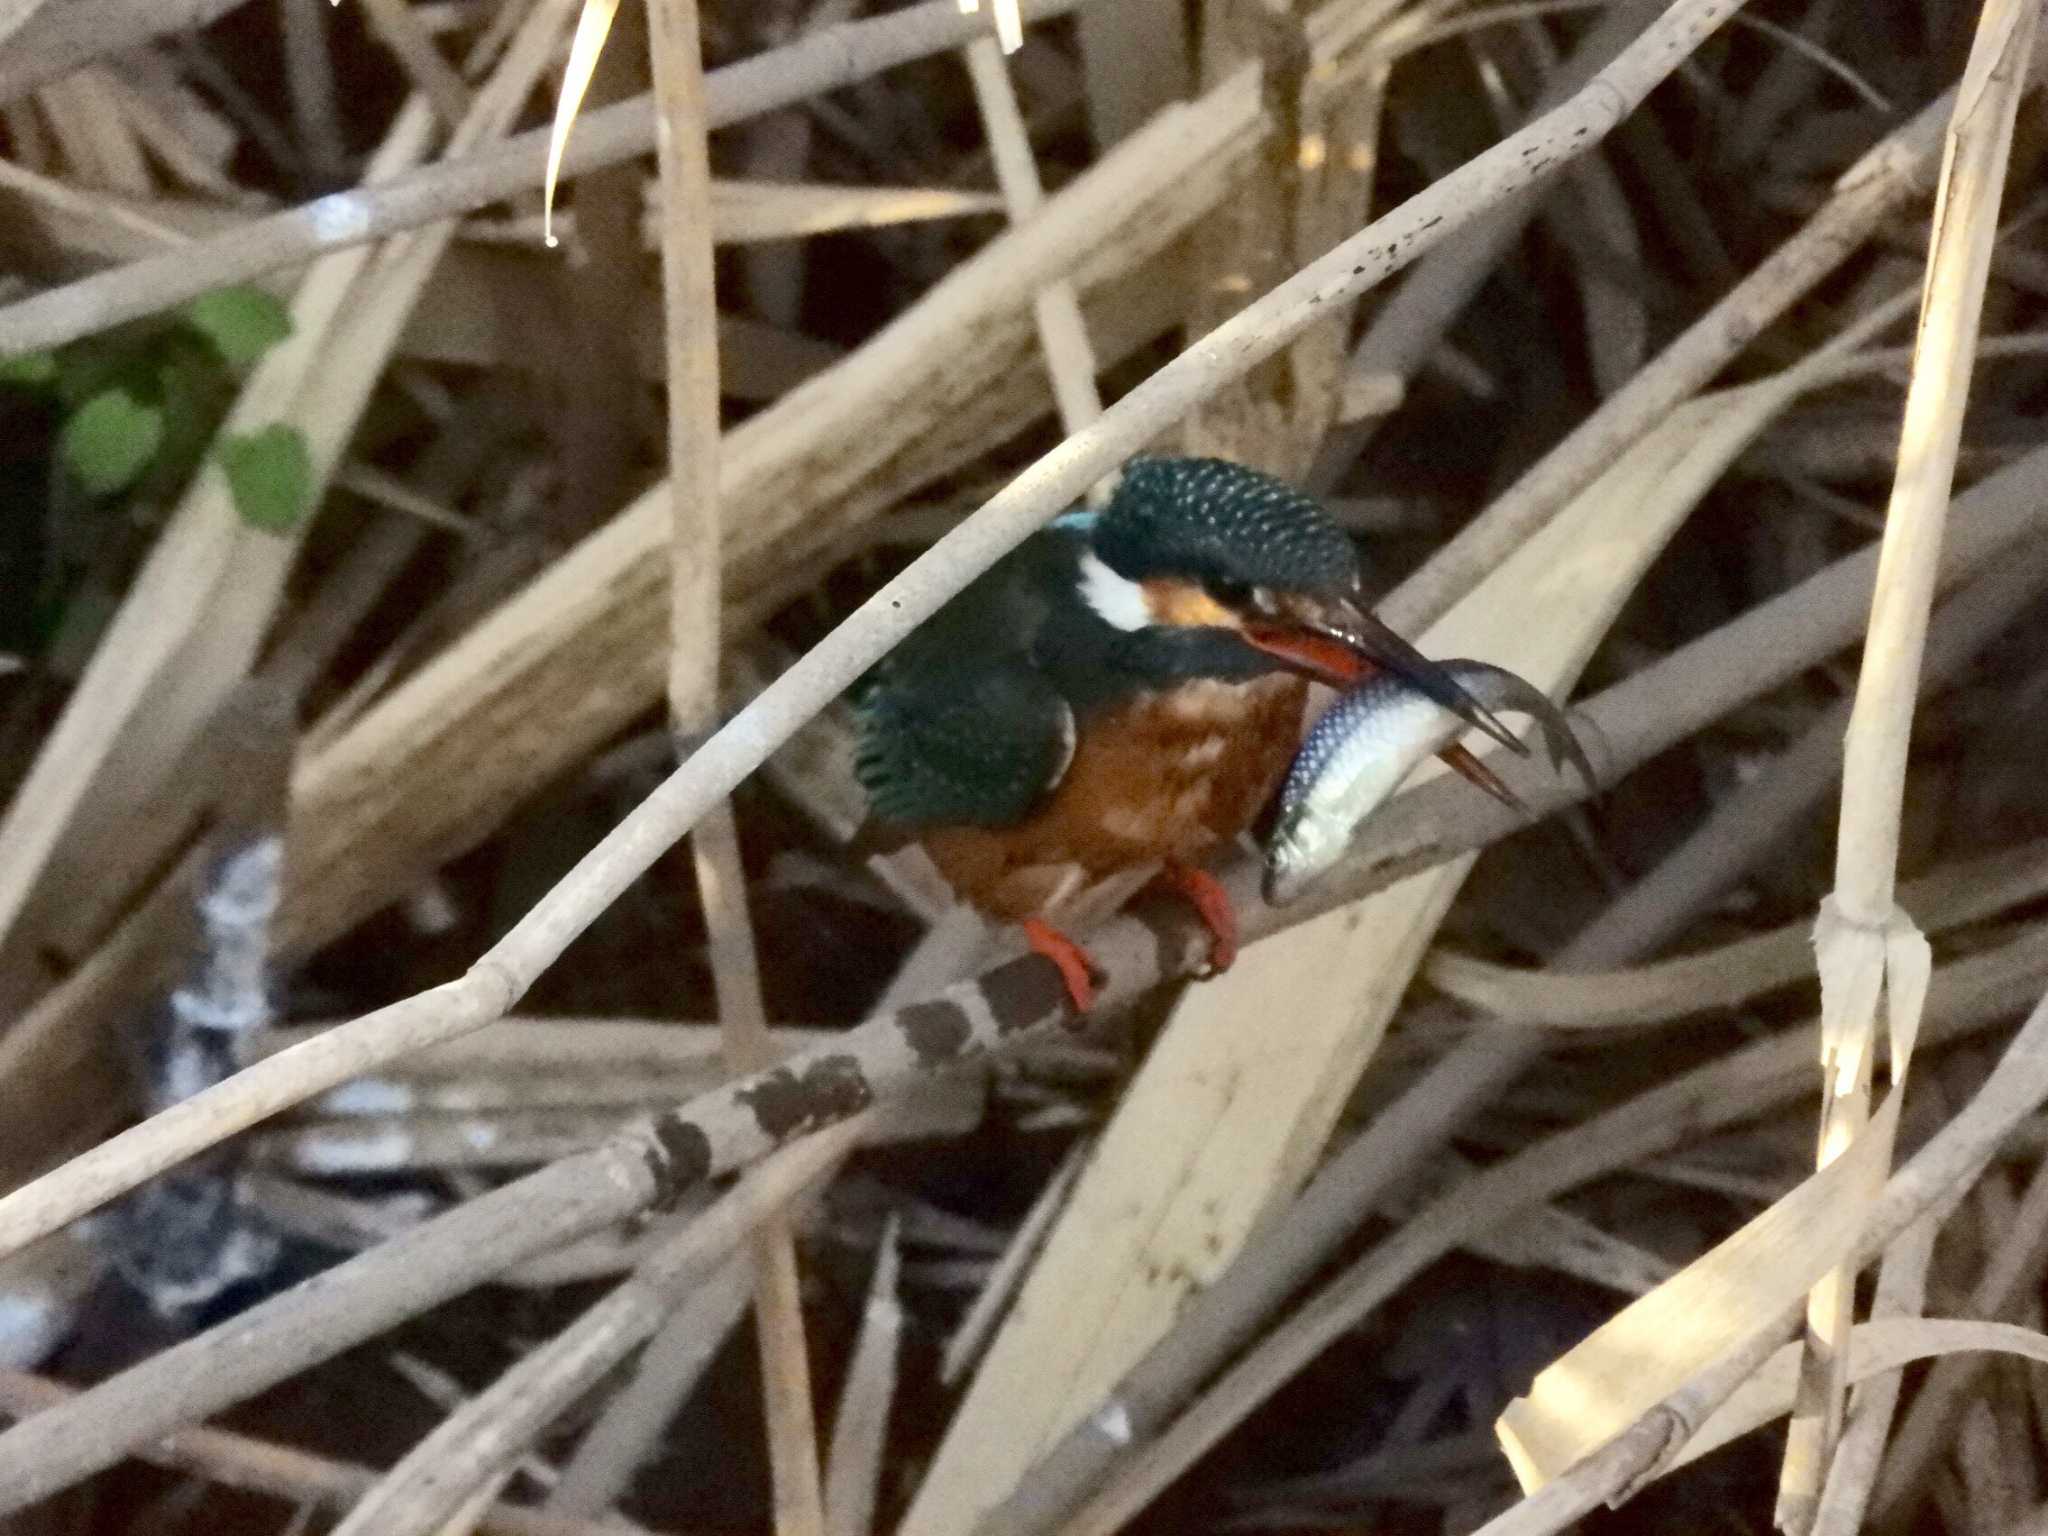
1858	918
691	332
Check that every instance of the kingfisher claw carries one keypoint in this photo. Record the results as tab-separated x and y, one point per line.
1075	968
1205	893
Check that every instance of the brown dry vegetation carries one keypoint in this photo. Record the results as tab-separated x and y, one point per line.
1481	1185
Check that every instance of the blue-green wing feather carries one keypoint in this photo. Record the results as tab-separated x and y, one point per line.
982	750
961	725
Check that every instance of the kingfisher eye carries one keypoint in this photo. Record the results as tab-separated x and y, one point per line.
1236	595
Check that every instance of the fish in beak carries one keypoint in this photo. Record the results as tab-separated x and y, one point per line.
1339	641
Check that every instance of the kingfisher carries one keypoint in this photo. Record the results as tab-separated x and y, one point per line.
1120	696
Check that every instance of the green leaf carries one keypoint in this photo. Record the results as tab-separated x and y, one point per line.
195	391
241	323
34	369
270	474
108	441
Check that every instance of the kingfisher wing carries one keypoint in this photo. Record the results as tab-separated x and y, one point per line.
961	725
977	745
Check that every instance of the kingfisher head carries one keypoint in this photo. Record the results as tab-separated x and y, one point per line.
1213	569
1203	568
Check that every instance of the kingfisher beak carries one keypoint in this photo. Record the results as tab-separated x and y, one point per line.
1338	641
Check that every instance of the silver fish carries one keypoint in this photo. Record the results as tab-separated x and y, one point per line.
1373	737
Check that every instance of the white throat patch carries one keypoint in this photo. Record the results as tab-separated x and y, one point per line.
1117	601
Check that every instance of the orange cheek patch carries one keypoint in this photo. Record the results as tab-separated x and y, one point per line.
1183	603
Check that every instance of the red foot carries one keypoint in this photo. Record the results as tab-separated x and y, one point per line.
1205	893
1076	970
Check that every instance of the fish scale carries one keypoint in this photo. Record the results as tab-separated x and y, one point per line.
1369	741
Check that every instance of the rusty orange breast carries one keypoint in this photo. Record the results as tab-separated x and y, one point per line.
1170	775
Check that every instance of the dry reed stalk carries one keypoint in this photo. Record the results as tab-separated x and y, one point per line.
1862	938
1729	974
825	61
690	312
506	1139
240	1461
91	135
1652	1446
593	1190
1056	307
1635	719
1969	994
618	1444
66	198
2018	1262
503	1060
450	1396
367	801
1901	1292
1890	174
1134	62
479	1441
16	14
860	1433
1627	1461
972	1334
62	38
413	47
499	977
309	81
192	624
1406	329
1218	1127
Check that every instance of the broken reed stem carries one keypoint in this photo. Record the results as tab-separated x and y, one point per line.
1855	933
1040	492
690	311
741	1122
480	1441
818	63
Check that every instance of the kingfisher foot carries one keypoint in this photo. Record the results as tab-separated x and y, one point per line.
1076	969
1204	892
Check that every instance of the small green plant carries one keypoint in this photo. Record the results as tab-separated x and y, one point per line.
270	474
140	405
111	427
